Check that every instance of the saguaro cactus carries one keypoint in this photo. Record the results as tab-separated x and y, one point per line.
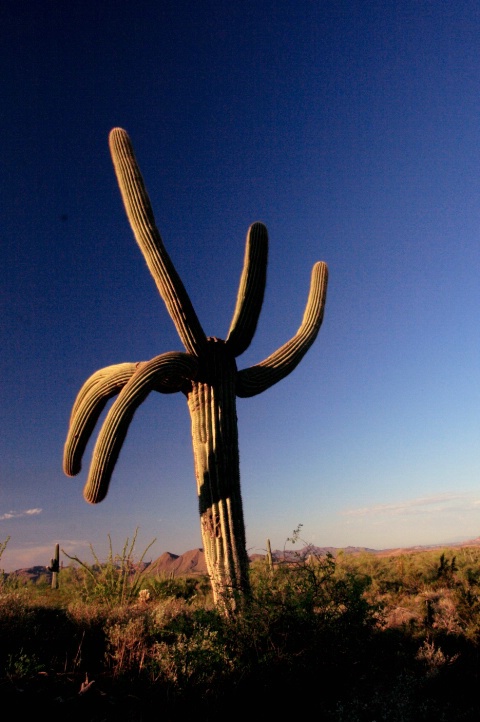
55	567
206	373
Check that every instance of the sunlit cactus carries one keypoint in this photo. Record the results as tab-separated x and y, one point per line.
206	373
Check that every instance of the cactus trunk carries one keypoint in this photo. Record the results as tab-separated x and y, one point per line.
55	566
212	405
269	557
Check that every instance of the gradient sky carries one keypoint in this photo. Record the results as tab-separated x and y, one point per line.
352	130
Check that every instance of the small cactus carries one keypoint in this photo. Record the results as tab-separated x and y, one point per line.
206	373
269	557
55	567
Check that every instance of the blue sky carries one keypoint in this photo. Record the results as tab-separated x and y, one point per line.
352	131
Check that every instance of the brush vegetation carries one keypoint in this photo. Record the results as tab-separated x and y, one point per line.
350	638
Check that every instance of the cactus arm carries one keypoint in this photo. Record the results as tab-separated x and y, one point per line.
89	404
92	398
258	378
115	376
173	367
140	214
251	290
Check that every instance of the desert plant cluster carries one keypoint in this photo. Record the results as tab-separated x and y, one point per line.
350	637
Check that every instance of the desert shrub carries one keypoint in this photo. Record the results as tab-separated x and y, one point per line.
127	644
118	580
302	621
36	634
190	589
360	638
194	660
21	664
308	624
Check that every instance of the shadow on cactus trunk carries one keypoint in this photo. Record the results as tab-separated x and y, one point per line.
54	567
206	373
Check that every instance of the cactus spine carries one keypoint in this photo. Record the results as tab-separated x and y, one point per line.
206	373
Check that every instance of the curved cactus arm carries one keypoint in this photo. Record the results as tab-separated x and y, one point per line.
140	214
89	404
251	290
172	367
258	378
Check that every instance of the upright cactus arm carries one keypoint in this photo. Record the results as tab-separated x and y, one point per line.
89	404
251	290
173	369
140	214
258	378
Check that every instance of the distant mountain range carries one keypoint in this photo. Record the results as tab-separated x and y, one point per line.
193	562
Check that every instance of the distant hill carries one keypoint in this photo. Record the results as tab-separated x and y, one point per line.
193	562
